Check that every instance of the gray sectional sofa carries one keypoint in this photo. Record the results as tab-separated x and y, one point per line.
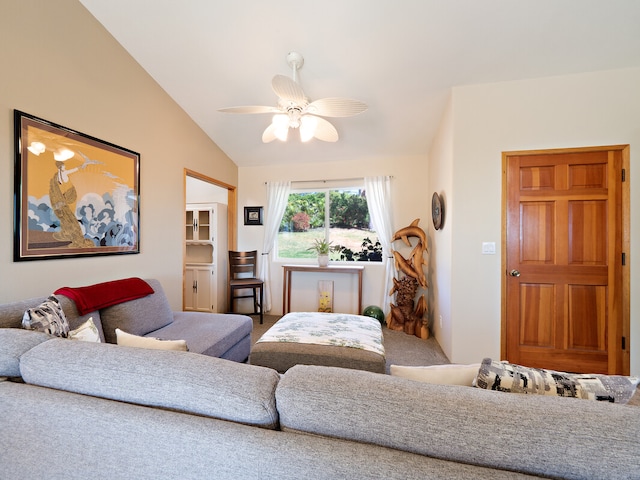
78	410
74	410
218	335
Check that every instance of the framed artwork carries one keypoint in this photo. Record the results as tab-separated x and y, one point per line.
75	195
253	215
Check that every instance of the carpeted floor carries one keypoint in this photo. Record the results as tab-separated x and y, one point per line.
400	348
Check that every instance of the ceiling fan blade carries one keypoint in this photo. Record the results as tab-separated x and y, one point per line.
287	89
250	109
336	107
269	134
325	131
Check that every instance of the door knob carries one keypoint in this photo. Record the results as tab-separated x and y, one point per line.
514	273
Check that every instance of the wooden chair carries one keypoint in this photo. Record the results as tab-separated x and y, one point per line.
243	270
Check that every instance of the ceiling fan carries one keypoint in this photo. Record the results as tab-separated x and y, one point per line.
295	111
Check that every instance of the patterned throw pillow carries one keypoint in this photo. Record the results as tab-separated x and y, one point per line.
47	317
509	377
87	332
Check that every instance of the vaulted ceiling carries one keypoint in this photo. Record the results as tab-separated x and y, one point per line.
400	57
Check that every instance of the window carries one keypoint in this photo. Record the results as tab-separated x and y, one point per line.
339	215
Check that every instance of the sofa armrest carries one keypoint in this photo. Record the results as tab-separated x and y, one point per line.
14	342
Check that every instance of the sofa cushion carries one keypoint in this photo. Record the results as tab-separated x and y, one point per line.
98	438
138	317
449	374
127	340
181	381
199	328
47	317
11	313
13	343
509	377
546	436
87	332
74	317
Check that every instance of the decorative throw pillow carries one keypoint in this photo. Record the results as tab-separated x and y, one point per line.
47	317
87	332
508	377
449	374
128	340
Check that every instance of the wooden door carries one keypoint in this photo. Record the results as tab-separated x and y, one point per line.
566	285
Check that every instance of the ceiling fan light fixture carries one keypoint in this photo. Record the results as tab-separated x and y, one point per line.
308	125
280	123
295	110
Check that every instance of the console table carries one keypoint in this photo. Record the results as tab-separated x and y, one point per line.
289	269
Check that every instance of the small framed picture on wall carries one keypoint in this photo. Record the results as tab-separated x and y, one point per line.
253	215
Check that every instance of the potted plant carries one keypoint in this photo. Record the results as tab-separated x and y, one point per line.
322	249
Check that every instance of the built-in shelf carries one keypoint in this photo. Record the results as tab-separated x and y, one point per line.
205	259
200	253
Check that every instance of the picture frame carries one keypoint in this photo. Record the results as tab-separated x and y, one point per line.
74	195
253	215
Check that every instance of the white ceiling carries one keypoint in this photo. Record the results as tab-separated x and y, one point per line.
401	57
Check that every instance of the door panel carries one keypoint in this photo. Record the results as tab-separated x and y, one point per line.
537	321
587	232
537	230
564	291
587	317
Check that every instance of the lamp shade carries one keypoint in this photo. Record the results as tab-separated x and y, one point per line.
308	125
281	124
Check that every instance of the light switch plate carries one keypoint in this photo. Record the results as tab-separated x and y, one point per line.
488	248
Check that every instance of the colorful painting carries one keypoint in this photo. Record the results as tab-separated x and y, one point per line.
75	195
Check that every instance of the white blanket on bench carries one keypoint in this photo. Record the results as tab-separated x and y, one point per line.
338	329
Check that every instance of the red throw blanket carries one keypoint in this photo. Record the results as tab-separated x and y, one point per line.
102	295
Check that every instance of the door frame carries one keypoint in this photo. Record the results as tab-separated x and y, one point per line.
232	204
232	221
625	227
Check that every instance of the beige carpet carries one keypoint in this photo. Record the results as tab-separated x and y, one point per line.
400	348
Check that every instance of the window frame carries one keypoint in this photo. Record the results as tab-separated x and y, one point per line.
324	187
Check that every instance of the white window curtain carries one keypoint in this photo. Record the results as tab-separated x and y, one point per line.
277	198
378	191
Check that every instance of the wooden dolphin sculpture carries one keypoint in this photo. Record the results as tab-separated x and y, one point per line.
412	230
404	266
417	260
396	286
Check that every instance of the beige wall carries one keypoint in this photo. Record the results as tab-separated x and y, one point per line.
440	241
601	108
58	63
410	200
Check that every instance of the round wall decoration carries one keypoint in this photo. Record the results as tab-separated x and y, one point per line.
437	211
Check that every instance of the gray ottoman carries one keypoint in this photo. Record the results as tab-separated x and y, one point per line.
328	339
